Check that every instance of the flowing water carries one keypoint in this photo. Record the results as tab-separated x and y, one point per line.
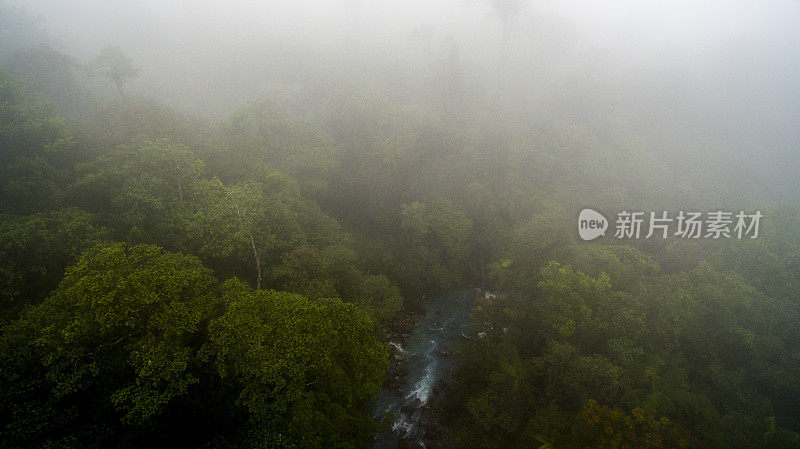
427	354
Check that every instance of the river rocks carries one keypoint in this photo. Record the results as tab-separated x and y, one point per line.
401	326
408	409
407	443
417	348
402	369
393	383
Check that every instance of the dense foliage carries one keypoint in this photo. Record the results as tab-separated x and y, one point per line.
165	281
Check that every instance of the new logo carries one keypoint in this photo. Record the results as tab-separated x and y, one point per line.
591	224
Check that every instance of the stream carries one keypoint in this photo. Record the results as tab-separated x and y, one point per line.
427	355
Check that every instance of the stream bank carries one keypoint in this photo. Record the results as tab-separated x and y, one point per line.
421	359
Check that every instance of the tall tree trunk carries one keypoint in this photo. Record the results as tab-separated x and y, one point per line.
180	189
252	246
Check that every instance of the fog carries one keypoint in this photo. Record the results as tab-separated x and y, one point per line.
472	224
715	79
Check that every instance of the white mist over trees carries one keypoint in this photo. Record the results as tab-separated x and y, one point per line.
253	218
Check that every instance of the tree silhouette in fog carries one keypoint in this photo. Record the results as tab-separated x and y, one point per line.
113	64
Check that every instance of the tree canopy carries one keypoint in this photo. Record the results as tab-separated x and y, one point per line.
166	281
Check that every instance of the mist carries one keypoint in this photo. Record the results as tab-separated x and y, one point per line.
352	223
716	81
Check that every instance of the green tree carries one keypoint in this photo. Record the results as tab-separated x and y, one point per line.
142	191
604	426
36	150
113	64
46	72
115	343
379	297
243	228
35	250
304	368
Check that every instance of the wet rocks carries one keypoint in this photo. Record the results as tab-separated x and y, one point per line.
408	443
401	369
400	328
418	351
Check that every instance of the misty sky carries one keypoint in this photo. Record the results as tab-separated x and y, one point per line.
612	24
680	70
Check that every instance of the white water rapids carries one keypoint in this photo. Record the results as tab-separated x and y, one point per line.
426	355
